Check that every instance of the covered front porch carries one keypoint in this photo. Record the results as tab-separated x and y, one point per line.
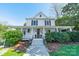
31	32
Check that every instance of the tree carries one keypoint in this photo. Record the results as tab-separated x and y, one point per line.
70	15
56	9
3	29
64	21
72	9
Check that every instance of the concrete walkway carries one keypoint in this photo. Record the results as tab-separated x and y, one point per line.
2	46
4	50
37	48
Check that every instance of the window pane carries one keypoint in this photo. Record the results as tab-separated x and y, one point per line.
34	22
47	22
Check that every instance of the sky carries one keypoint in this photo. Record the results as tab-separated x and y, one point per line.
15	13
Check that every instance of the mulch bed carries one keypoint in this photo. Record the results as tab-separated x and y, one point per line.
21	46
53	46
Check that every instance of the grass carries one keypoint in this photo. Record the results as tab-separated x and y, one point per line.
10	52
1	48
66	50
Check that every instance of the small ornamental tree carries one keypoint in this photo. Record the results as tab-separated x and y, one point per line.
12	37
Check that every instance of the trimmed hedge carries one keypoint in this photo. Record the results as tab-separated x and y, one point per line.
62	37
74	36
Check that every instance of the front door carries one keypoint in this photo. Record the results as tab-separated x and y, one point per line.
38	33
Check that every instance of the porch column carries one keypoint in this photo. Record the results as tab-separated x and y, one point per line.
32	32
57	30
43	32
70	29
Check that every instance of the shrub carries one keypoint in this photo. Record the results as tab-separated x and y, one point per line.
61	37
76	26
48	36
74	36
12	37
58	37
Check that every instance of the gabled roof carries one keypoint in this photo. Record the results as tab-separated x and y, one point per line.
40	15
43	17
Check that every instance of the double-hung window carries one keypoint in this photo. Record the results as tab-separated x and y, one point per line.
47	22
34	22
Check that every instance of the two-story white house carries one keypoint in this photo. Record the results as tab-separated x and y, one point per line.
37	26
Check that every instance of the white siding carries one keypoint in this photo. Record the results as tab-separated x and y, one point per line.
28	35
42	16
41	23
52	22
28	22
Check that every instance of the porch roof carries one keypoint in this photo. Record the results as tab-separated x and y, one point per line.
42	27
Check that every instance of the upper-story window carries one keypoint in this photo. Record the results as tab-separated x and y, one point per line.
40	15
34	22
47	22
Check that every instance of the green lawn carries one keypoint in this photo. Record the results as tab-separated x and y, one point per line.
66	50
10	52
1	48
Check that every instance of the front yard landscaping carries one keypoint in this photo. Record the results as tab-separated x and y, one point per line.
63	43
13	39
1	48
66	50
11	52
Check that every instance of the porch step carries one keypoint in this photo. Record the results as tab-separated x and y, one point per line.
37	42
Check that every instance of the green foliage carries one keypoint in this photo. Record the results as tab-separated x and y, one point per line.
70	15
2	30
48	36
74	36
65	21
62	37
10	52
12	37
66	50
76	26
71	9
